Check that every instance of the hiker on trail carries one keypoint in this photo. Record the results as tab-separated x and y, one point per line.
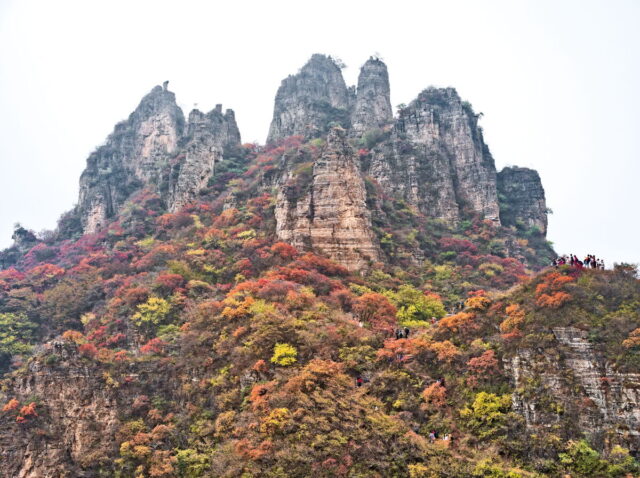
359	381
433	321
398	334
432	436
406	332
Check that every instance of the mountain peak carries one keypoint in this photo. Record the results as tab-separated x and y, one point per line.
372	107
307	102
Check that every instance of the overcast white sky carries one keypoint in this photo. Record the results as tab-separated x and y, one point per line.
558	83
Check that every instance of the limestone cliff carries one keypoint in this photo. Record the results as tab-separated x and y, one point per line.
78	419
579	384
131	157
331	217
140	152
372	107
206	138
436	159
306	103
522	200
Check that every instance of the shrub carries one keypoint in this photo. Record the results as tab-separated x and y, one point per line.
435	395
487	415
153	311
88	350
375	309
284	354
582	460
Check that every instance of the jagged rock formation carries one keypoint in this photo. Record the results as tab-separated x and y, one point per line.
139	150
207	136
131	157
436	159
372	107
522	200
578	383
307	102
432	155
332	216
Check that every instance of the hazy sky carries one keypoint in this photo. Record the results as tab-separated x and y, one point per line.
558	83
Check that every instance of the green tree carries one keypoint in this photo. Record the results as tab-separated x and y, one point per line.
284	354
414	307
16	334
488	414
582	460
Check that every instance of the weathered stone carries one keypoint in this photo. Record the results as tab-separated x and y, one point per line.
436	159
131	158
81	422
332	217
598	399
207	137
306	103
372	108
522	200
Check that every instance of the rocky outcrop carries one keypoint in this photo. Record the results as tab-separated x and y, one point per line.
372	107
207	137
579	387
306	103
522	200
436	159
331	214
76	424
131	158
153	149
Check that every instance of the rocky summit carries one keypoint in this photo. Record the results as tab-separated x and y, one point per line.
365	295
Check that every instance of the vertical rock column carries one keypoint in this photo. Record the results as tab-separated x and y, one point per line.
372	107
332	218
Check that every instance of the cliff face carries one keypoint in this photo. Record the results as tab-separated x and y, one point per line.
372	107
307	102
206	138
522	198
433	155
332	215
138	152
131	158
436	159
78	419
580	385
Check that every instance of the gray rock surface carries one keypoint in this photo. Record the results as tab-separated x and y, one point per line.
436	159
207	136
522	198
580	386
331	217
152	141
372	107
306	103
131	158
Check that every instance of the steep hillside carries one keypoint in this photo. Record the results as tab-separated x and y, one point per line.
364	296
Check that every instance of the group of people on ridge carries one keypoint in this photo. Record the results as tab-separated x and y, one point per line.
589	261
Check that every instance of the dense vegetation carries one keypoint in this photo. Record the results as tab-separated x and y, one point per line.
256	347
